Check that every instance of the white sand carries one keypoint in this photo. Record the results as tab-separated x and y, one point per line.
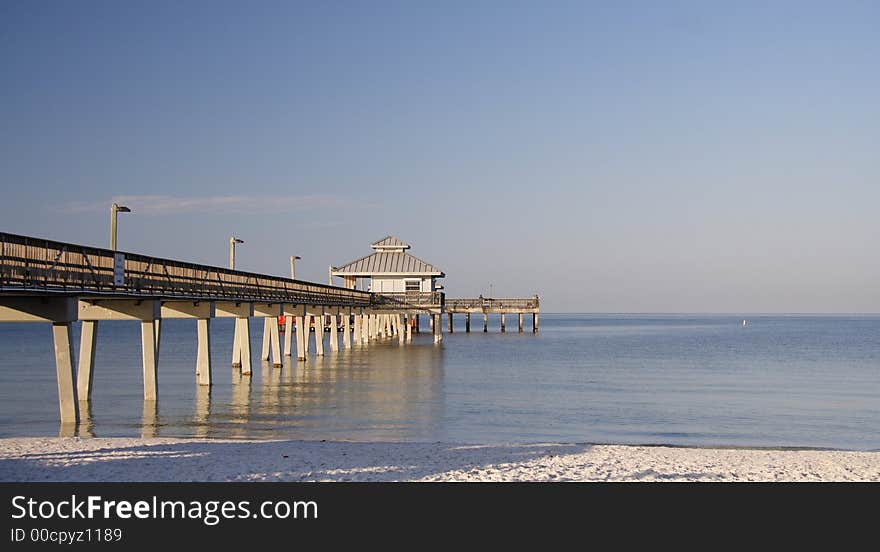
129	459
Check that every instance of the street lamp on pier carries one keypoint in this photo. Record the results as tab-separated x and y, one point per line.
232	241
113	210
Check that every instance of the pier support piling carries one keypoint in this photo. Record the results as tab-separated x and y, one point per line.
502	323
438	330
319	331
244	345
450	322
288	335
520	322
157	331
275	335
84	374
64	368
267	329
485	322
357	330
236	345
301	337
346	329
148	350
203	354
535	322
467	322
334	337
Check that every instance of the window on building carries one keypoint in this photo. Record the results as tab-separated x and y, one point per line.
413	285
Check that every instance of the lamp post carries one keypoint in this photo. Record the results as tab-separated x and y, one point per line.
232	241
293	259
113	210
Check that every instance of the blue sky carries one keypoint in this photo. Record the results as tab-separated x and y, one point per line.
610	156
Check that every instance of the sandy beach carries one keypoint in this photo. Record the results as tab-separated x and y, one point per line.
131	459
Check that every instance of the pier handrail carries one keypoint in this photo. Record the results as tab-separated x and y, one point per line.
410	298
34	264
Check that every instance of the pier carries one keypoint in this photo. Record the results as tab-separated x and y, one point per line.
62	283
489	305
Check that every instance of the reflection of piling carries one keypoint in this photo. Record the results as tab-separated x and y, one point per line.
202	410
150	420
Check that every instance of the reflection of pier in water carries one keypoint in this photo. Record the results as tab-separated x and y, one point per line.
386	393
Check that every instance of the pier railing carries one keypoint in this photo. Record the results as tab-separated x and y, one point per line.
417	299
32	264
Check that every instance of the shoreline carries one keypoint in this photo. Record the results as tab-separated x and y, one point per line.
195	459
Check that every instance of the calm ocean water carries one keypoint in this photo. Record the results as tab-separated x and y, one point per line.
781	381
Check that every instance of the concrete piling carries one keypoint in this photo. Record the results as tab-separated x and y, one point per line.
244	345
334	337
346	330
203	354
84	373
301	336
267	329
276	341
64	367
148	350
288	335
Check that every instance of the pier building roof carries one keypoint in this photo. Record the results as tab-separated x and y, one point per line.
389	258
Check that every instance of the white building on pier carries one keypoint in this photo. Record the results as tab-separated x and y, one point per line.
389	269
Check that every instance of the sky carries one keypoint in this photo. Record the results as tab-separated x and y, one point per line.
626	156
